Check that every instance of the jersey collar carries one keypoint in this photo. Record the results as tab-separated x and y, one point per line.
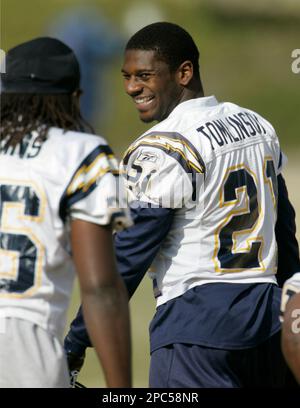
200	103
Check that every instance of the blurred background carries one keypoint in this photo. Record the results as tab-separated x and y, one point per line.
245	57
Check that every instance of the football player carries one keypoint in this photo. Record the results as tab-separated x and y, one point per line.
58	206
207	196
290	315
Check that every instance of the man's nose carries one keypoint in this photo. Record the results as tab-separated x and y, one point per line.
133	86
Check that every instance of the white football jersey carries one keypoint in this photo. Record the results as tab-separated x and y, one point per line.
42	186
217	165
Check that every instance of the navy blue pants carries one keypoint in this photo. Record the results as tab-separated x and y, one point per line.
193	366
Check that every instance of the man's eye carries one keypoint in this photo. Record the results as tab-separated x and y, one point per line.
144	76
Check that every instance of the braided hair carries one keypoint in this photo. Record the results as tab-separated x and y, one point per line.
22	114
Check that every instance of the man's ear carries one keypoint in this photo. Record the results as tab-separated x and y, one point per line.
185	73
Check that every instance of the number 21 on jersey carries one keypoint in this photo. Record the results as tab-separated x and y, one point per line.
239	194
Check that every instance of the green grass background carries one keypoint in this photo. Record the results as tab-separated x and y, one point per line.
245	58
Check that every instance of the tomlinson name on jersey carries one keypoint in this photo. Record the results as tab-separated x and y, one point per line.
232	129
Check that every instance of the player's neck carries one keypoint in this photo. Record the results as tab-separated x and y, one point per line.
191	93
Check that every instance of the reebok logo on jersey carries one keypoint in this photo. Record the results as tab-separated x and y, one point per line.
150	157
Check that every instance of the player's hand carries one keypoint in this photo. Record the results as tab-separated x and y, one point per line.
75	363
290	288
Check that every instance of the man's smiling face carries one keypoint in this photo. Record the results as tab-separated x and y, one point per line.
151	84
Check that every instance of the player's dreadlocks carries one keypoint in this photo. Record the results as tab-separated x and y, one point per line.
23	113
171	42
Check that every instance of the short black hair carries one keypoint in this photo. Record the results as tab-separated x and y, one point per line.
172	43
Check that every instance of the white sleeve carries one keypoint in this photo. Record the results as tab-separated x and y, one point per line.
294	280
105	204
154	176
96	193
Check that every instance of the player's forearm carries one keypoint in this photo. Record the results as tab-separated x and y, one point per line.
106	314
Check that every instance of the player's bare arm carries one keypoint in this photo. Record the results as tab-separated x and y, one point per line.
104	298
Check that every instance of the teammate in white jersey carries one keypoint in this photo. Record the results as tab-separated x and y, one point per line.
59	203
290	308
205	190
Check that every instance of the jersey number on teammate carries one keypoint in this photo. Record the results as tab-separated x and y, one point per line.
18	272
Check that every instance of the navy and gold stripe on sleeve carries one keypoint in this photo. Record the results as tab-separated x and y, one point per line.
84	180
174	145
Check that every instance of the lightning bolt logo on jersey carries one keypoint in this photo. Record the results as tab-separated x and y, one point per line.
217	165
43	185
